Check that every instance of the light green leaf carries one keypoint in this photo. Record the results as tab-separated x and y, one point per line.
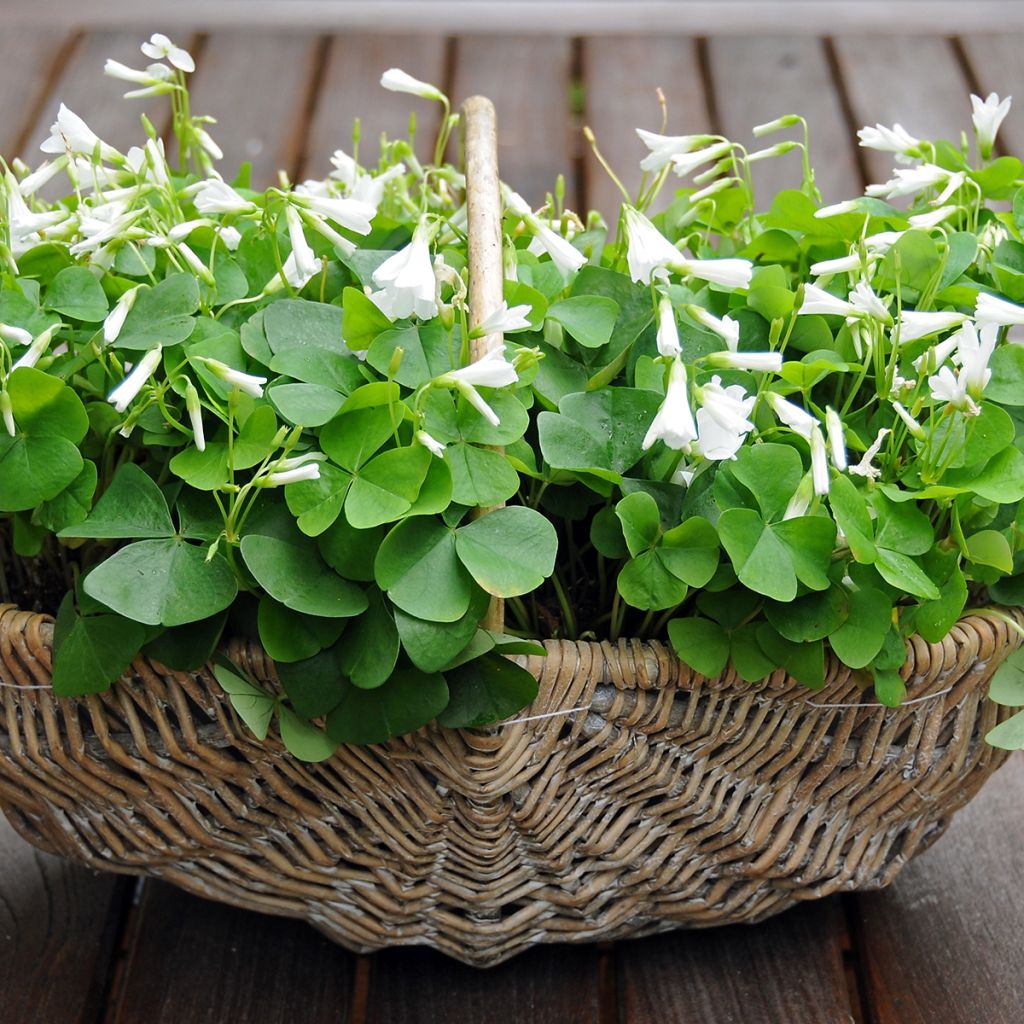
1007	686
370	651
902	572
418	567
77	293
131	507
761	560
1008	735
288	635
94	651
307	405
254	706
989	547
508	551
292	572
862	634
302	739
590	319
316	504
701	644
385	488
161	315
480	478
163	582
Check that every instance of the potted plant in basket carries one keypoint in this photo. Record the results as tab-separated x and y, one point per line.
323	421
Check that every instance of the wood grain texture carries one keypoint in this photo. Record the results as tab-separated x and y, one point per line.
196	962
350	88
756	79
996	65
942	943
257	85
97	98
788	970
57	926
558	985
917	82
620	79
27	57
528	78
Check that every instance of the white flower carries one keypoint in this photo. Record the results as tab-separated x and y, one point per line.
673	423
840	265
914	325
791	415
933	217
504	320
407	281
763	362
729	273
122	396
987	116
155	77
817	300
973	353
563	254
686	163
70	134
160	47
955	181
37	349
937	355
321	227
863	297
186	227
46	171
297	276
819	461
947	387
349	213
366	188
246	382
17	335
836	438
800	503
216	196
492	371
910	180
306	263
991	309
430	443
196	265
230	236
668	329
98	225
396	80
207	142
912	425
726	328
722	420
116	317
864	467
282	477
25	224
882	242
649	252
663	148
891	140
195	415
838	209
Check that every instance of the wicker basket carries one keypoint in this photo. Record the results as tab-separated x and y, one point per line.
668	799
633	797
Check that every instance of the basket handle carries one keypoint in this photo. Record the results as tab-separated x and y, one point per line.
486	268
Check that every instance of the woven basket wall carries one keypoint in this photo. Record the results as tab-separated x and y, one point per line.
672	800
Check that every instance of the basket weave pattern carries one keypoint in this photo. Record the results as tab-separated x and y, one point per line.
668	800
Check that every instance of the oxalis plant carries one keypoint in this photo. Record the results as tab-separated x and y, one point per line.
763	432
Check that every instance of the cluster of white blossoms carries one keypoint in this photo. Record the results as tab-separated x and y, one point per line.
952	373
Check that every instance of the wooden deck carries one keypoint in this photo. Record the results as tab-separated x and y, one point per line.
940	947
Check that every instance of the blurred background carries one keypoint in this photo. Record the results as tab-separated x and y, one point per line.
287	77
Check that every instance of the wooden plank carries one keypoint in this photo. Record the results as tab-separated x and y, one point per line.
351	88
257	85
543	986
620	79
610	17
27	58
995	62
788	969
84	87
58	923
536	136
941	942
756	79
206	963
916	82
